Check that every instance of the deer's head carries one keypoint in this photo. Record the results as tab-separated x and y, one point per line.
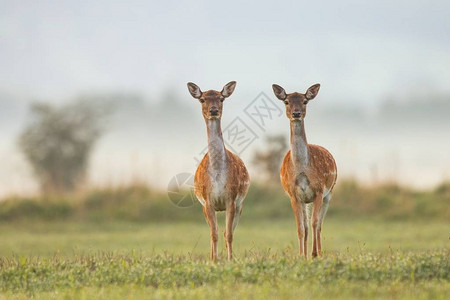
211	101
296	102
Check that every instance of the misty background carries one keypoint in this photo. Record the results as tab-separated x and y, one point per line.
384	69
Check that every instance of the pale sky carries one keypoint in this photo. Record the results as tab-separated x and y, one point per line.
359	50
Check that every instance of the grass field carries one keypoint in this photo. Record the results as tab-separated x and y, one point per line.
363	259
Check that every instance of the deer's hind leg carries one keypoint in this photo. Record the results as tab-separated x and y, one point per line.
306	217
238	211
319	211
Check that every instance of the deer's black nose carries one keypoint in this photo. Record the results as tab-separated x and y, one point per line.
214	111
296	114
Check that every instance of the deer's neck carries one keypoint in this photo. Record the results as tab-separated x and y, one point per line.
216	148
299	144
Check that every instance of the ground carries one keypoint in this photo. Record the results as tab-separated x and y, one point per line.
362	259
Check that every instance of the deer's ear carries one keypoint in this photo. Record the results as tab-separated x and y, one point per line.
194	90
228	89
279	92
312	92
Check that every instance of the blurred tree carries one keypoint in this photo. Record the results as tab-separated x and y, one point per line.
58	141
269	160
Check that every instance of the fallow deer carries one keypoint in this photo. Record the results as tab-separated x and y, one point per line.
221	181
308	173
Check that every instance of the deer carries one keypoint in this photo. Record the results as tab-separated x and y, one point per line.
221	181
308	172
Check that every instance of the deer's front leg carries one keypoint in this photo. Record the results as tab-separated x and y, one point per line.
299	212
231	213
210	215
319	210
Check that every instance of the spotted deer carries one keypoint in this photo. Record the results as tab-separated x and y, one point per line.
308	173
221	180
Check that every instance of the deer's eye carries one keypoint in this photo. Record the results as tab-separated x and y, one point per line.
202	100
305	102
222	99
285	102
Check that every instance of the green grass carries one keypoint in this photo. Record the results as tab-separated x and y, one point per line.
363	259
432	289
45	239
168	273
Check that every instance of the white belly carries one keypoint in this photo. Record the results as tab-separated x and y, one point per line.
219	192
304	190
